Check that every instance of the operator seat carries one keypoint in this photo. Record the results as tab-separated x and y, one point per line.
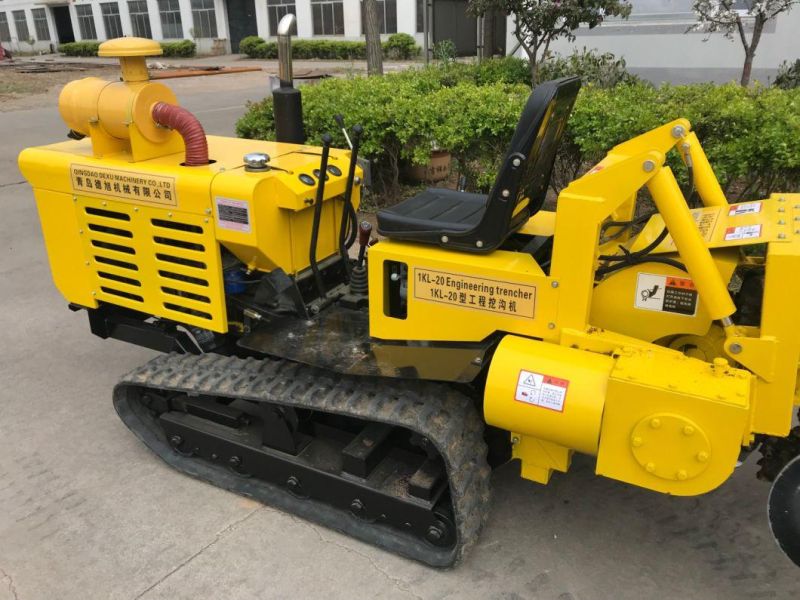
480	223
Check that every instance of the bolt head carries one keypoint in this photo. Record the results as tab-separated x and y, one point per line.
678	131
688	430
435	534
505	193
293	483
479	244
637	441
735	348
650	467
702	456
516	162
551	325
648	166
554	284
357	507
682	475
655	423
234	461
445	239
175	440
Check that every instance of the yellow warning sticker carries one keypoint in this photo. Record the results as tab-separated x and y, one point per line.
504	297
123	185
706	221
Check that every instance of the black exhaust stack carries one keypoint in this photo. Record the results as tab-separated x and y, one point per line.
287	103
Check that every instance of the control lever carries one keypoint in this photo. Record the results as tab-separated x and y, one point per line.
349	218
340	122
364	235
323	175
359	285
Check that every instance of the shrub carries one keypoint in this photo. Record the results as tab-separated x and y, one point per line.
400	46
79	48
604	70
180	49
748	134
788	75
256	47
250	46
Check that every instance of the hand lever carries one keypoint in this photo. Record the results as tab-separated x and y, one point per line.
340	122
323	175
364	234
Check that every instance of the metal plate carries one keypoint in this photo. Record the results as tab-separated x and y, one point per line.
338	339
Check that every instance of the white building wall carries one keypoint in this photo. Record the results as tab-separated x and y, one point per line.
655	46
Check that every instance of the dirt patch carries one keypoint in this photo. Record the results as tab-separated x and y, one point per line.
21	90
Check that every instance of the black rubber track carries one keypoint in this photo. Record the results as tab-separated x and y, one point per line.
437	411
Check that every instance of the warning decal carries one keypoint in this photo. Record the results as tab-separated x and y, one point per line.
504	297
233	214
123	185
742	232
705	220
664	293
541	390
746	208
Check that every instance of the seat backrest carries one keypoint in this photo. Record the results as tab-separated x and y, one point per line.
522	182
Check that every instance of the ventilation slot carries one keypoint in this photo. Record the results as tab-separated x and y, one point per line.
181	261
108	214
184	294
184	278
116	263
114	247
187	311
122	294
178	244
177	226
110	230
119	278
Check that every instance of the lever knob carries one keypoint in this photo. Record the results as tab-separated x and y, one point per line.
364	233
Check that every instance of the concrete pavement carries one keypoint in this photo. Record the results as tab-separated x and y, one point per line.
87	512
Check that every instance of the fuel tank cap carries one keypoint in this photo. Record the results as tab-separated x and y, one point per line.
256	161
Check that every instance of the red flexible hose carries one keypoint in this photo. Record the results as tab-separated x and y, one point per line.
188	127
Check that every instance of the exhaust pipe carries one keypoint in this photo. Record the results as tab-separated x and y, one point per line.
287	103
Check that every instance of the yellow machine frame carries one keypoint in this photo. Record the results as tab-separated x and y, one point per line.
654	416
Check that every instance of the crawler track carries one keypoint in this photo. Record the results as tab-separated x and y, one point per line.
436	412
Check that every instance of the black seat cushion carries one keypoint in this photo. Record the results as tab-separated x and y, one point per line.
434	210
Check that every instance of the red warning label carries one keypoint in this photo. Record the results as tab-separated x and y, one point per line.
541	390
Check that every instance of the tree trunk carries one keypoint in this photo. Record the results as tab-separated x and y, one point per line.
488	34
372	33
747	68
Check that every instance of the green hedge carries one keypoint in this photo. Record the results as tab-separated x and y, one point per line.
397	46
180	49
750	135
79	48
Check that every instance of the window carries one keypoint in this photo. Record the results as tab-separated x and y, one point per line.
421	16
328	17
5	33
40	24
111	20
387	16
276	10
86	22
140	18
204	18
21	23
171	25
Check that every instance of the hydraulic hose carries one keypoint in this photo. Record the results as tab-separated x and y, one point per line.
188	127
